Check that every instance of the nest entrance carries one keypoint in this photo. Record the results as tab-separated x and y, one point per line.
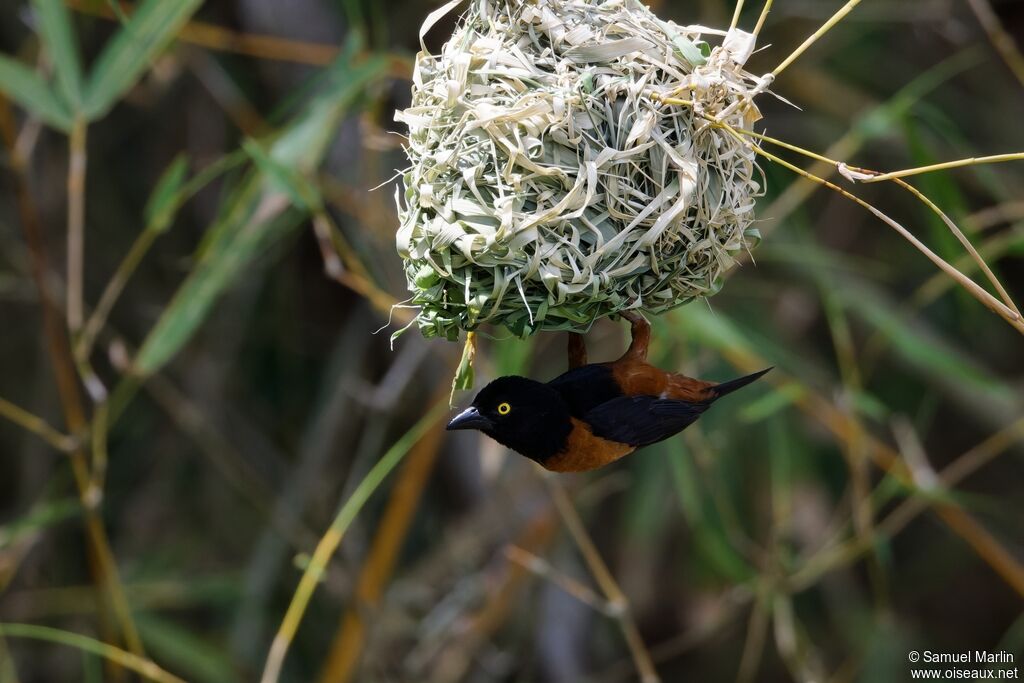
549	185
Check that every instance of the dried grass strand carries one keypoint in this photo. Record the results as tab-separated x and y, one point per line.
814	37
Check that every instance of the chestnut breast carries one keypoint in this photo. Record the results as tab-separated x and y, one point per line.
583	451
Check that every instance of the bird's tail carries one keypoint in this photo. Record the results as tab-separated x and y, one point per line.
732	385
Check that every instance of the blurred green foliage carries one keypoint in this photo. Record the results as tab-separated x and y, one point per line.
864	503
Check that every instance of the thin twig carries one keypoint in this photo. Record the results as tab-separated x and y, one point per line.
342	266
103	564
971	250
222	39
616	598
836	555
335	533
896	178
998	307
76	224
37	425
946	165
1005	212
140	247
85	341
888	459
757	631
235	468
1002	41
825	28
854	445
403	501
544	569
98	473
227	94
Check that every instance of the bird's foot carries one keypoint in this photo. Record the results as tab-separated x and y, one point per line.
634	316
641	333
577	351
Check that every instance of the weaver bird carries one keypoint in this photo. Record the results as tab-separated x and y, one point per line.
595	413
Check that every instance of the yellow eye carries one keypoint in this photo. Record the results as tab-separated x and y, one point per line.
504	409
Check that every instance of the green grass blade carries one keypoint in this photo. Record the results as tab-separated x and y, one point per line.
261	221
289	180
58	37
711	543
24	86
143	667
136	45
164	202
8	674
923	350
259	215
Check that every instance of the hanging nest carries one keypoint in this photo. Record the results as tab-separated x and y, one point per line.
550	185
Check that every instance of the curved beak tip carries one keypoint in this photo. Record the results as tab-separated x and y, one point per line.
470	418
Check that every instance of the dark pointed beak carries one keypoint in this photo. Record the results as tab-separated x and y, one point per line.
470	418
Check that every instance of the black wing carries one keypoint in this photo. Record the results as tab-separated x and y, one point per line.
585	388
642	420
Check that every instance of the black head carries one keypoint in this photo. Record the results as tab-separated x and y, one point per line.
527	416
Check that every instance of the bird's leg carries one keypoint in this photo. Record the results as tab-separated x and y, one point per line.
641	332
577	351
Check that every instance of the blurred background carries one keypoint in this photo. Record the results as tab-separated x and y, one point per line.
166	474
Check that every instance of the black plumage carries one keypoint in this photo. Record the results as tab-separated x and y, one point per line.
593	414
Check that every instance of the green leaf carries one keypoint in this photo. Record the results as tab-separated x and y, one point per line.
689	51
164	202
284	178
136	45
258	221
258	215
61	44
24	86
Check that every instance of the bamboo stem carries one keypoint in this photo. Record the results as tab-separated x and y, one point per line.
103	564
76	225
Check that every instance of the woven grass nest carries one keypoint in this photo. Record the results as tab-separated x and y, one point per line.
550	185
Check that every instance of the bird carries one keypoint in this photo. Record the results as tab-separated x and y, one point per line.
595	413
